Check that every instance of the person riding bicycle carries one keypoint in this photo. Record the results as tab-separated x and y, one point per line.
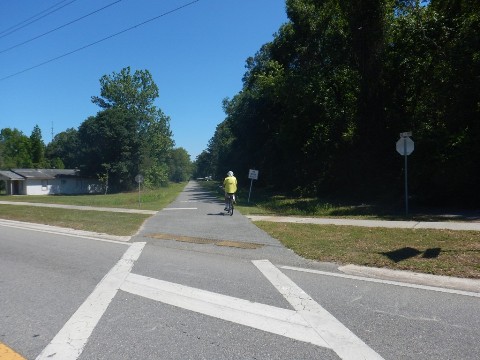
230	186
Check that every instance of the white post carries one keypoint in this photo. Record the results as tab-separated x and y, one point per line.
139	194
406	177
251	182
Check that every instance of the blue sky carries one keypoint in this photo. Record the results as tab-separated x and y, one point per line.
196	56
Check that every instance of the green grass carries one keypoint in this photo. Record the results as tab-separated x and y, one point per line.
98	221
148	199
266	202
124	224
440	252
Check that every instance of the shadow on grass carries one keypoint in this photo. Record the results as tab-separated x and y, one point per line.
431	253
408	252
282	204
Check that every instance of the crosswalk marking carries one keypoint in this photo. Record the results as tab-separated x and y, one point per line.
259	316
307	322
68	344
345	343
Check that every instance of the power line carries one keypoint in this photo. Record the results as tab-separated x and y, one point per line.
101	40
31	22
32	17
58	28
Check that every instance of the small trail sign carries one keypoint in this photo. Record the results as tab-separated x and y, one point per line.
252	175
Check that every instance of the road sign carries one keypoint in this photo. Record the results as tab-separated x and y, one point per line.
405	146
253	174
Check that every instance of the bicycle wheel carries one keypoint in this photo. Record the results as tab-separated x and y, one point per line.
230	210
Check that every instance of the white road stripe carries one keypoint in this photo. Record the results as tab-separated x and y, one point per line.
71	235
259	316
387	282
180	209
68	344
345	343
65	231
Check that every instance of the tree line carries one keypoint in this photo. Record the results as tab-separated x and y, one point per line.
128	136
323	103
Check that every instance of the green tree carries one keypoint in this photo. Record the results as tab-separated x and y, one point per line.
37	148
15	149
66	147
219	153
156	141
108	142
202	165
296	114
156	175
147	139
434	75
323	103
180	165
134	92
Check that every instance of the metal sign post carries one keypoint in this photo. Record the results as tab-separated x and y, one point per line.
252	175
405	147
139	180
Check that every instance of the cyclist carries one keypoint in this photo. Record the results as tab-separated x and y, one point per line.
230	186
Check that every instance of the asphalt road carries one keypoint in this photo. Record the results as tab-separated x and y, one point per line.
197	284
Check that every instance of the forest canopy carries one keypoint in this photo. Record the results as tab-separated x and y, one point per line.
323	103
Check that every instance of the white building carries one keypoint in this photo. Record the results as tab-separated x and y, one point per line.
48	182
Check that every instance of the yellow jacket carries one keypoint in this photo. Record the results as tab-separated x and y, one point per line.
230	184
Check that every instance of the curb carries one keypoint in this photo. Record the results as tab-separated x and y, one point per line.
62	230
447	282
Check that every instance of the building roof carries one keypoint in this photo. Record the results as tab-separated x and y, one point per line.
9	175
44	174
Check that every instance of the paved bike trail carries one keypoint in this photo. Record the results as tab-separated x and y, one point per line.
196	216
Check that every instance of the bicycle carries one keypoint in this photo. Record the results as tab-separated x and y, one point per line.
230	204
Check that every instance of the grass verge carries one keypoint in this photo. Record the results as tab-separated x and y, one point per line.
146	200
439	252
124	224
265	202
